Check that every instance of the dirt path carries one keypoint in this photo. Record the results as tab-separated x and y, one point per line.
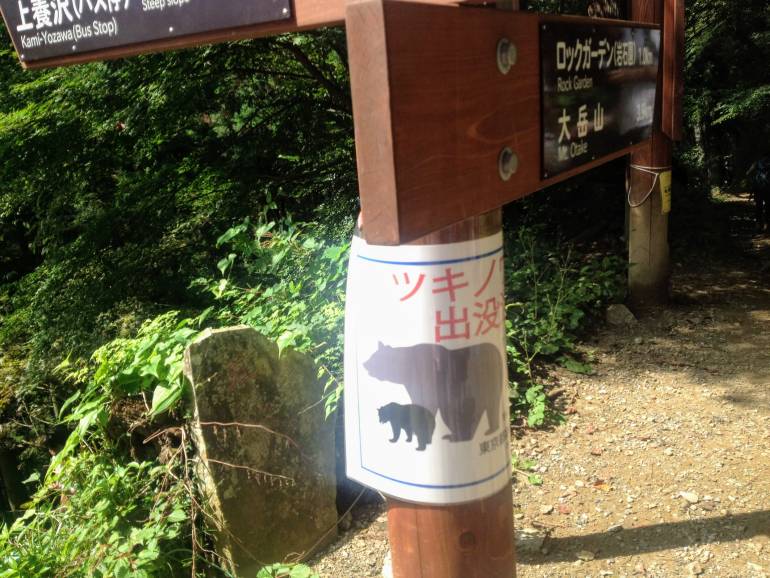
663	467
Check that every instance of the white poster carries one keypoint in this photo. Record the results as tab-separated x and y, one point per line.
426	394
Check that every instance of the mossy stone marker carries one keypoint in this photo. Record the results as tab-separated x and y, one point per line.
266	450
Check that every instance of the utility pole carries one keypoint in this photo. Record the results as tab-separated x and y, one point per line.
472	540
648	247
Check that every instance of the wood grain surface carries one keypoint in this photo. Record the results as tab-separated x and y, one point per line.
433	113
472	540
649	275
673	68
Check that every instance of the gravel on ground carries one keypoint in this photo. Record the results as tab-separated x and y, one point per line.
662	467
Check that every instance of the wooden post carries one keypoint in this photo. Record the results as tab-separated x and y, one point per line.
462	541
474	540
648	250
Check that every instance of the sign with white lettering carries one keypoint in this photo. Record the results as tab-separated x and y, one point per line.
43	29
598	90
426	387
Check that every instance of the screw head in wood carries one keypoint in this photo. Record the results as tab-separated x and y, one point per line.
507	55
508	164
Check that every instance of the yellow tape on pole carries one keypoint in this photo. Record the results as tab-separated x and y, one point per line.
665	191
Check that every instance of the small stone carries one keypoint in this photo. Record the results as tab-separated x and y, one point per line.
597	451
586	555
694	569
615	528
518	516
754	567
691	497
579	484
669	451
546	509
620	315
564	509
529	540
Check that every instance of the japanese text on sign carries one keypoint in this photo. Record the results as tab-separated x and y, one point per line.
425	404
599	88
44	29
454	322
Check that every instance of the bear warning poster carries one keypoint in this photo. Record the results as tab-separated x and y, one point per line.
43	29
426	403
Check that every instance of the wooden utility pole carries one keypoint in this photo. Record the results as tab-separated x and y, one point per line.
473	540
459	541
648	249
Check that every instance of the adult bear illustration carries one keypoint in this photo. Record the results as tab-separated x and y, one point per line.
463	384
413	419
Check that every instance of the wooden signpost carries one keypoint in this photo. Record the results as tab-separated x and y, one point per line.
458	109
443	61
648	248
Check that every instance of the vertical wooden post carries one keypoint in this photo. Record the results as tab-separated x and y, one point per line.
648	250
473	540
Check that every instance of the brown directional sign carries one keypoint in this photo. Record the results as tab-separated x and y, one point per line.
435	113
599	87
44	30
201	22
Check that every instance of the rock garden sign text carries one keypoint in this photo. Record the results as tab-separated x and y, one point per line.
599	88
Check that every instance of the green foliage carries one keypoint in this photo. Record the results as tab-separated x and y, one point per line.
149	362
95	517
116	178
94	514
727	102
286	571
290	286
551	294
527	468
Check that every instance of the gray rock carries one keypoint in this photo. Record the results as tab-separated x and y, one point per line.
619	315
530	540
266	452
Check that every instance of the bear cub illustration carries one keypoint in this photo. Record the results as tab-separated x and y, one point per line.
413	419
462	384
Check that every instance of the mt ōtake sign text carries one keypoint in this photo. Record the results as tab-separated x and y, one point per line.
426	403
44	29
598	91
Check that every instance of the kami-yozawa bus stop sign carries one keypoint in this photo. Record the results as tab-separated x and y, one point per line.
45	29
458	110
